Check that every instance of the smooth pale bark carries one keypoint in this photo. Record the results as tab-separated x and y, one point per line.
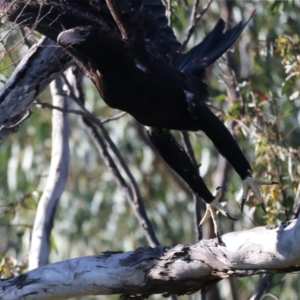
43	223
43	62
178	269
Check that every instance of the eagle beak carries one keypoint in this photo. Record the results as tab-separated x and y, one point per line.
69	37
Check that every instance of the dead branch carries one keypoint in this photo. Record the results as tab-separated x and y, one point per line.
179	269
195	18
115	12
43	62
43	223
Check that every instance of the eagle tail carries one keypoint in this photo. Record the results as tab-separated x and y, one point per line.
211	48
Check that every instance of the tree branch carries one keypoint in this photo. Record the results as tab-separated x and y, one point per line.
43	223
115	12
178	269
43	62
195	18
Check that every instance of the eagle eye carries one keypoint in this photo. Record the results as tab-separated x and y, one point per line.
84	32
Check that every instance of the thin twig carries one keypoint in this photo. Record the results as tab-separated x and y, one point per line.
16	225
76	111
51	106
270	295
115	117
24	35
115	12
195	18
12	48
189	147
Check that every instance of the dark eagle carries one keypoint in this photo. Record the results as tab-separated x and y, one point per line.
144	74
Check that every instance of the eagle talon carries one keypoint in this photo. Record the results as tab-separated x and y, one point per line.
212	210
220	241
230	217
254	184
242	204
275	182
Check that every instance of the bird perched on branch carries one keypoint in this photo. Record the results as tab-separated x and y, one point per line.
133	58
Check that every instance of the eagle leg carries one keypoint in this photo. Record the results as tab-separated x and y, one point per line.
228	147
179	160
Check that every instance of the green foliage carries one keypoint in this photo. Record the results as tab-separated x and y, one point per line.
93	215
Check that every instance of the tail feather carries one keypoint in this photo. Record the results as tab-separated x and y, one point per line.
211	48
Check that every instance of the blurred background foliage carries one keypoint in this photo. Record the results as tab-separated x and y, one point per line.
93	214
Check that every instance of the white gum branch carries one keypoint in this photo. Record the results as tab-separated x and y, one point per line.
43	223
178	269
